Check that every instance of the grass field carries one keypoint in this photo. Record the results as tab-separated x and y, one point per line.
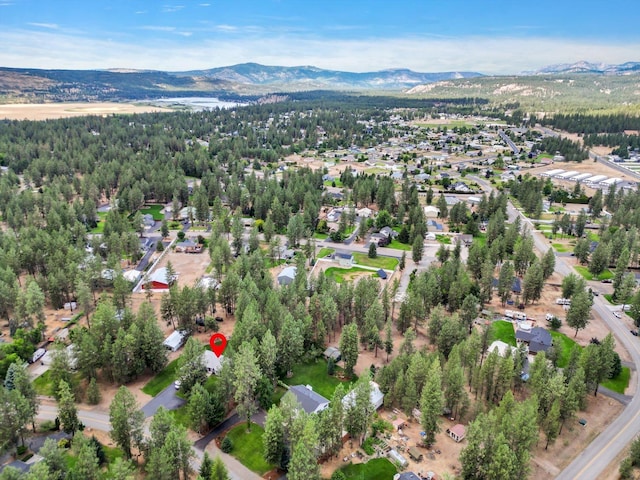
481	239
502	330
564	346
162	380
315	374
584	271
340	275
387	263
376	469
561	247
43	385
248	447
330	183
154	210
620	383
320	236
324	251
445	239
399	246
100	226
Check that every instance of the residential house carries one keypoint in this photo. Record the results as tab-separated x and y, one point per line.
376	398
334	215
188	246
434	224
537	338
431	211
516	285
430	236
187	213
503	349
379	239
406	476
310	401
364	212
507	177
457	432
345	259
422	177
212	362
388	232
287	276
461	187
451	200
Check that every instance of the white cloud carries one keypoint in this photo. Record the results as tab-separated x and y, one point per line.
172	8
204	4
157	28
42	49
51	26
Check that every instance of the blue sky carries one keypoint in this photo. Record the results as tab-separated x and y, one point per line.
490	36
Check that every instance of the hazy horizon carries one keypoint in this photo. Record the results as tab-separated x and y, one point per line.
357	36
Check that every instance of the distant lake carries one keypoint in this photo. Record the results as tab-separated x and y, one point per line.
198	103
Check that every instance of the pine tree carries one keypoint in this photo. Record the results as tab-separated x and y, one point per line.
219	470
349	347
304	465
93	392
67	411
432	403
126	420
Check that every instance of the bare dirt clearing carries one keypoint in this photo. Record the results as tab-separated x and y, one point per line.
46	111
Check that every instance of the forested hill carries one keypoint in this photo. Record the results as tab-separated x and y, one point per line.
224	82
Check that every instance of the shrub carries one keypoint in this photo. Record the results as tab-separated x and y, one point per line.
555	323
331	367
367	446
227	445
21	450
338	475
48	426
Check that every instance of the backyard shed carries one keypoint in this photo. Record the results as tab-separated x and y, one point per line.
332	352
457	432
287	276
415	454
174	341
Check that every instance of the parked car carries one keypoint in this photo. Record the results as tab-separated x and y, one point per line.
177	384
634	332
606	280
617	314
219	319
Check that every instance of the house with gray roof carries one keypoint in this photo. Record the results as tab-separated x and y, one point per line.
537	339
310	401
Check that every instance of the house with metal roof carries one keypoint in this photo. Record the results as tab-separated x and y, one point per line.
310	401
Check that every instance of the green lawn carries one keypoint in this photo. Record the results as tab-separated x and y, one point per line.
43	386
376	469
445	239
564	346
154	210
480	239
584	271
561	247
619	383
502	330
337	181
320	236
387	263
162	380
248	447
315	374
324	251
100	226
340	275
181	416
399	246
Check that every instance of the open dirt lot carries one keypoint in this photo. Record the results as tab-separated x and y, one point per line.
189	266
45	111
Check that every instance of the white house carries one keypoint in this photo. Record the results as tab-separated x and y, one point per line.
212	362
376	397
287	276
431	211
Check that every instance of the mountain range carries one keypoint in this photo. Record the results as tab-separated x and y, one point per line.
627	68
252	79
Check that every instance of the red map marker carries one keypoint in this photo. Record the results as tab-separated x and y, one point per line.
218	343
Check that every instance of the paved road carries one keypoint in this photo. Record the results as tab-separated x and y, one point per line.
603	450
92	419
596	458
167	398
